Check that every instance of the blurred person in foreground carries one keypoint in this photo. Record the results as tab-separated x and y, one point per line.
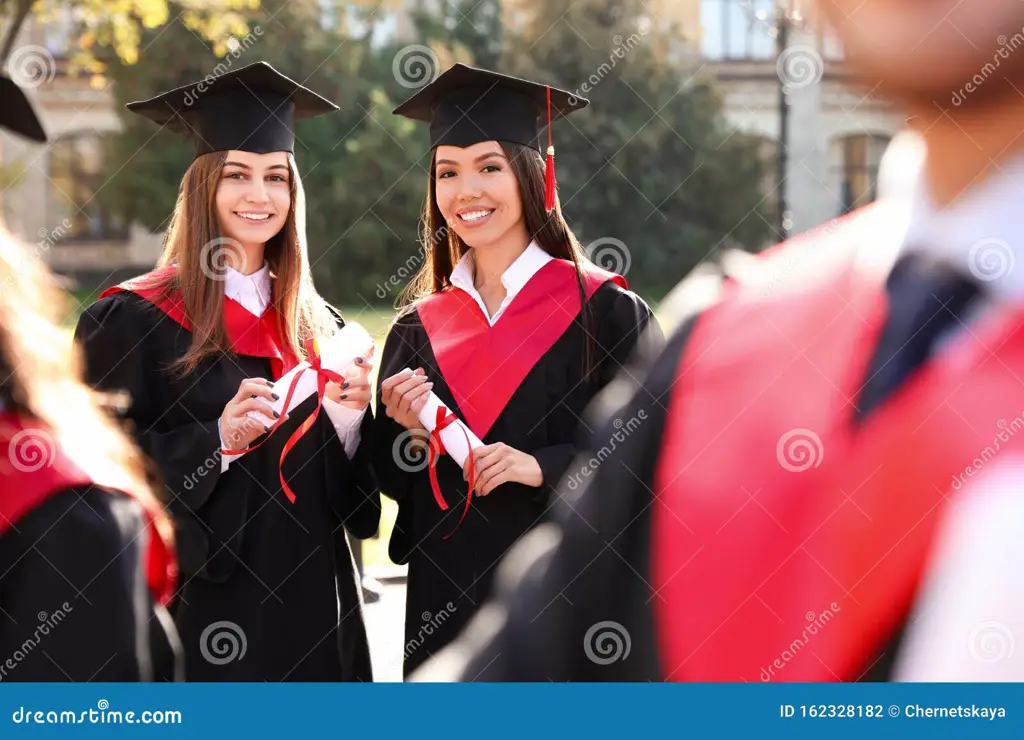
825	482
86	553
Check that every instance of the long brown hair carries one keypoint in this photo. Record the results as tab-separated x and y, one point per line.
443	248
196	245
40	378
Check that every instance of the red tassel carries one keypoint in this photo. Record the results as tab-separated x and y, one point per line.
549	171
549	181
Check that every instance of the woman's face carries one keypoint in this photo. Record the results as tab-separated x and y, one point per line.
253	196
477	193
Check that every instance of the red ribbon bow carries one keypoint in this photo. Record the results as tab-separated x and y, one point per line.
435	449
323	375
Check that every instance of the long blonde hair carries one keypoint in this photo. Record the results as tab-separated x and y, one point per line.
40	377
196	245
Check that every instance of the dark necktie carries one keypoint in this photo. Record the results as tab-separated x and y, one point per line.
926	299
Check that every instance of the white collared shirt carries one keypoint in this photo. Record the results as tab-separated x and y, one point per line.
968	619
253	293
514	279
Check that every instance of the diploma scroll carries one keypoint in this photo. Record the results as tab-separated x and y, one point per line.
451	436
337	353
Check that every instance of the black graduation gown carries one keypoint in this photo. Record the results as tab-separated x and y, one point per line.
268	589
576	595
449	579
74	602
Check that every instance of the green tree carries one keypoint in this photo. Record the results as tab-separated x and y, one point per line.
470	28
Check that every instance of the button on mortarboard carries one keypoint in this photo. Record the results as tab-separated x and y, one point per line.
16	112
465	106
252	109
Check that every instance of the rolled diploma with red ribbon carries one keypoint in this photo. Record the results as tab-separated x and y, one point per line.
337	353
453	439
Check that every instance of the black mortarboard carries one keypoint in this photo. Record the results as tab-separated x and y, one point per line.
252	109
17	114
465	106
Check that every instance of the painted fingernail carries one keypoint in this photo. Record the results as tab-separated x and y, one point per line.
254	395
270	383
266	428
360	360
344	385
344	396
275	396
277	415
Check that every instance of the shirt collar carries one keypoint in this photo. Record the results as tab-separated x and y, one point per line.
252	291
981	233
514	279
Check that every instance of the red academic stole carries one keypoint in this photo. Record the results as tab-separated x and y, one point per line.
789	538
253	336
483	365
33	468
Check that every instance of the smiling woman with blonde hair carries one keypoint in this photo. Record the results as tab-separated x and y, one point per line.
261	502
81	534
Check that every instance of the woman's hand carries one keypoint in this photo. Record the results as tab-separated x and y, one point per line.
237	429
498	463
404	396
355	391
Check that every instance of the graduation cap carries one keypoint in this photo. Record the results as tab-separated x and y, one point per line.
466	105
252	109
17	113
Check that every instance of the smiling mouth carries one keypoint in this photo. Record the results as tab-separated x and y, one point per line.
255	218
475	216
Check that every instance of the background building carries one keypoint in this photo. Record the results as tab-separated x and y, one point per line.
836	135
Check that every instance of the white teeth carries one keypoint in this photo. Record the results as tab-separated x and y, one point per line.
474	215
255	216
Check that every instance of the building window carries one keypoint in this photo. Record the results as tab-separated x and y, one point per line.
76	177
737	29
860	156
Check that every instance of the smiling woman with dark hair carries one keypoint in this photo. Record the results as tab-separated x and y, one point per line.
513	330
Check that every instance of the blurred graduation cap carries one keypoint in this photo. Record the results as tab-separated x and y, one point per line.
17	114
466	105
252	109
